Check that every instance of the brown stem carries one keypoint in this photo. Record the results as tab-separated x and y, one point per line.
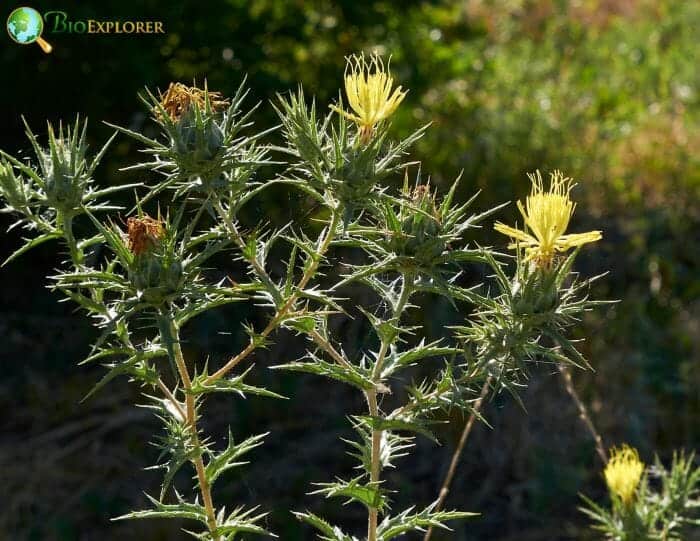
454	462
326	346
375	468
583	412
191	420
375	456
285	308
171	398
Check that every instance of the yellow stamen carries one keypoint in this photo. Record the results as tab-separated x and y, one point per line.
623	473
547	215
368	86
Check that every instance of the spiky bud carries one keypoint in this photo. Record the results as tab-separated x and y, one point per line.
65	169
12	187
157	270
198	140
419	236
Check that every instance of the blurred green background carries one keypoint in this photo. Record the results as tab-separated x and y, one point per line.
606	90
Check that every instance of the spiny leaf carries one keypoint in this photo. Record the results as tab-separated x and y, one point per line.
355	490
328	532
226	459
182	509
408	521
230	385
350	374
382	423
33	243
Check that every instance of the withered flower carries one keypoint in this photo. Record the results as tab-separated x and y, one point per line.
144	233
178	98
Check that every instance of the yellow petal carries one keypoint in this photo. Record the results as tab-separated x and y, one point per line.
515	233
577	239
345	113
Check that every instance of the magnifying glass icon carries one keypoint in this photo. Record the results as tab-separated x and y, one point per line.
25	25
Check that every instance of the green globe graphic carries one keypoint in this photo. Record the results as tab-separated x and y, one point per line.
25	25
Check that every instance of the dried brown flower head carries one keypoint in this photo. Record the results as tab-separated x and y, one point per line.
143	233
178	98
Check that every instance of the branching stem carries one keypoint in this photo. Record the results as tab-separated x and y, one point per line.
174	349
284	310
325	344
230	225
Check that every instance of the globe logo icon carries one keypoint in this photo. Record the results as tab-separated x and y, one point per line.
25	25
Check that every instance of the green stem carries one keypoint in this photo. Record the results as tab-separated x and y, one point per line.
76	253
375	471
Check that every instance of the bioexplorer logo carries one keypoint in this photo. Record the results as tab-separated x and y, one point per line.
25	25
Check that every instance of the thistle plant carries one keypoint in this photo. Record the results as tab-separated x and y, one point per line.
647	502
528	317
152	283
50	195
153	278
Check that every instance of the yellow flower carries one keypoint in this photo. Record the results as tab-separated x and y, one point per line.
368	86
547	216
623	473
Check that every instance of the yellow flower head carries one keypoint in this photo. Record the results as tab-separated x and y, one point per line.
368	86
547	215
623	473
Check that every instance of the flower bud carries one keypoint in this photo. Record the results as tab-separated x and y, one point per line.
12	187
198	141
156	271
536	293
64	169
197	144
357	177
421	228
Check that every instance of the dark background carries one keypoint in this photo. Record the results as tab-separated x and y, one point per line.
606	90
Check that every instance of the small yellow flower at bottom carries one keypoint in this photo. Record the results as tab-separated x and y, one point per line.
623	473
368	86
547	215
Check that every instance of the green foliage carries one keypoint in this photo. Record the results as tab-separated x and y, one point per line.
49	194
605	90
153	279
665	507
